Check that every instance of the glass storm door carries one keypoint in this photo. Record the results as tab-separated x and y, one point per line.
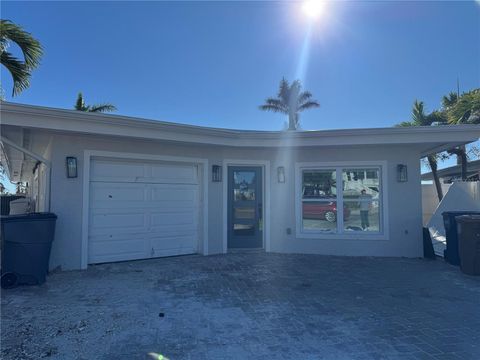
245	224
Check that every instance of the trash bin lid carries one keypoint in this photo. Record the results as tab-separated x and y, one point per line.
468	218
28	217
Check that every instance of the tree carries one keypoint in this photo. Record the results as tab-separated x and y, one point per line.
20	70
81	106
449	100
466	109
290	101
463	109
420	118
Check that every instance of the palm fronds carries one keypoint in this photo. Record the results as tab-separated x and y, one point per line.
81	106
449	100
31	49
290	100
102	108
466	110
308	105
20	74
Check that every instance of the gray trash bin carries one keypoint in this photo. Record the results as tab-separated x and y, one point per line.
449	221
26	244
468	227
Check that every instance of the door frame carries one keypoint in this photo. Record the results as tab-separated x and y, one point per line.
87	157
265	166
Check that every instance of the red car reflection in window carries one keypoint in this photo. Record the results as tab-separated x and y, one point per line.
323	210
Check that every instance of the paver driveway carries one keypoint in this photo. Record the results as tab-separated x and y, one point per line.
248	306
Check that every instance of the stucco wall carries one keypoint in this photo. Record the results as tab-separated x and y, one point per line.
404	199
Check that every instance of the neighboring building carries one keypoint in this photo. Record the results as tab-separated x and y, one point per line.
148	188
454	173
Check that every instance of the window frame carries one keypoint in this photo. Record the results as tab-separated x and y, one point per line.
340	233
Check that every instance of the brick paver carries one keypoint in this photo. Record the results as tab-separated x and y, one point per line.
248	306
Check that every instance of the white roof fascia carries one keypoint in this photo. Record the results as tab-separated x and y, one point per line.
441	137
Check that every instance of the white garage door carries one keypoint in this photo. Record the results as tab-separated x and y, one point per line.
141	210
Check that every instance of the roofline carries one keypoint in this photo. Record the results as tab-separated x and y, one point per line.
108	124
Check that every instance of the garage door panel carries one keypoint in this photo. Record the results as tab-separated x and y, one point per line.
134	206
116	231
181	243
173	230
174	193
142	210
174	252
116	170
173	218
112	220
103	235
113	193
129	254
166	173
122	246
128	171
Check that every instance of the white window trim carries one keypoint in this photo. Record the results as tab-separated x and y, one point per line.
312	234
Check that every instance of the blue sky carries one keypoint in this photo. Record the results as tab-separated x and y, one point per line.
213	63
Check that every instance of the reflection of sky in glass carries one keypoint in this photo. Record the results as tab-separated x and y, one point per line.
243	176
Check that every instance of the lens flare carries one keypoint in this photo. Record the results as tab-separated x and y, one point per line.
313	8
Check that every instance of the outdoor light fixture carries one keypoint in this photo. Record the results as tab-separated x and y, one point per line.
216	173
281	174
71	167
402	175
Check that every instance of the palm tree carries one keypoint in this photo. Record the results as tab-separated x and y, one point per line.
81	106
466	109
291	101
463	109
420	118
20	70
449	100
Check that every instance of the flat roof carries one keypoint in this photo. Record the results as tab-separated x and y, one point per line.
428	139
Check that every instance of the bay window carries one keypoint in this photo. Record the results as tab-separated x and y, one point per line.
340	200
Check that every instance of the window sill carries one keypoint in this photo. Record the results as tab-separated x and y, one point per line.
342	237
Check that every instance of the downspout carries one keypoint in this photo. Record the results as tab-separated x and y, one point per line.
37	157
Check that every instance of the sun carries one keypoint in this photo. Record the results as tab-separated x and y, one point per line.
313	8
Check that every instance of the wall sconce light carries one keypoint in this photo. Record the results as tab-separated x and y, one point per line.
216	173
402	175
281	174
71	167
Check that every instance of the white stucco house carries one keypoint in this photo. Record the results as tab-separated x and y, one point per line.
146	188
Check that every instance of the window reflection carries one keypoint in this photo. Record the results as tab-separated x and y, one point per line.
364	216
319	183
244	185
357	180
319	205
361	195
361	199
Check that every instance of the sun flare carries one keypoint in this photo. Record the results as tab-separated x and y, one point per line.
313	8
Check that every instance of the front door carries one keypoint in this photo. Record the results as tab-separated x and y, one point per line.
245	225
